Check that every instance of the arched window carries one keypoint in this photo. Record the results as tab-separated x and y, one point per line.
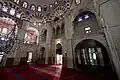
29	56
12	11
16	1
45	8
18	15
25	4
83	19
77	1
31	36
51	5
39	8
32	7
5	8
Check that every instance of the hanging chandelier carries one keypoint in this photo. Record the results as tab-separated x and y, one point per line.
7	39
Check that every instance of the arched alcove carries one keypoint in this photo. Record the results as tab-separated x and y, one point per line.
92	53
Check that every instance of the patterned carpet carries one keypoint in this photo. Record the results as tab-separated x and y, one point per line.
42	72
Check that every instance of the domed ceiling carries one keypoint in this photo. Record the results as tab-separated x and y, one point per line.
43	10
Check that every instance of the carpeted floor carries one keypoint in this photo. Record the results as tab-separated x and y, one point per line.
42	72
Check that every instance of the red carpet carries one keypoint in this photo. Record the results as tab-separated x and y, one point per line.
42	72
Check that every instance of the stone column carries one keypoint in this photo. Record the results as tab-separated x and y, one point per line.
68	36
48	43
69	54
110	12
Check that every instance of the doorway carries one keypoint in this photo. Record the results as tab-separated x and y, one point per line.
29	57
59	57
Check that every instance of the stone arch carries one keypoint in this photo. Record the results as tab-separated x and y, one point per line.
92	53
78	12
85	20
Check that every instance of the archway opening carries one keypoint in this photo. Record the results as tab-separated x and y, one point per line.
85	23
29	57
92	54
59	54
